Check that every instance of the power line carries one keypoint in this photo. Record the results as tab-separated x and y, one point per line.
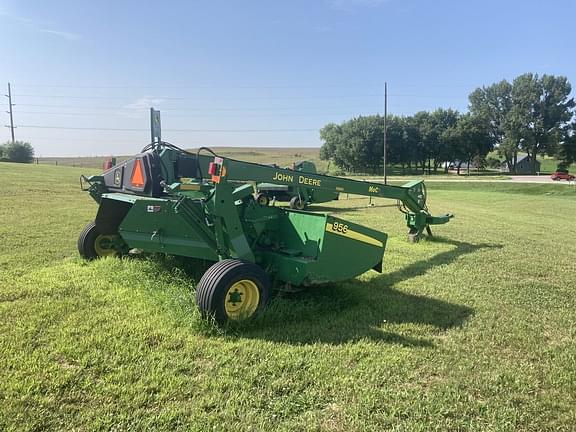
237	86
211	97
198	109
74	139
188	86
190	115
187	142
167	130
64	113
132	141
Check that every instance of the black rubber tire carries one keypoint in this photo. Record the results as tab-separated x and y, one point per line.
87	241
214	285
297	203
262	199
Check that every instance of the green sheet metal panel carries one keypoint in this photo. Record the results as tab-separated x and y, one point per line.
159	225
318	248
349	250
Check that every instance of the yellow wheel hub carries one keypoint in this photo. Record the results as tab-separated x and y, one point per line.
242	299
104	245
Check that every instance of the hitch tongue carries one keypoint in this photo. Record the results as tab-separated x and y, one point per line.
438	220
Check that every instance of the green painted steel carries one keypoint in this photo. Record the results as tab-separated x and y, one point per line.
411	195
317	248
203	207
172	226
306	194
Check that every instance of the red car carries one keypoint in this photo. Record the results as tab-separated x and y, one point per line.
562	176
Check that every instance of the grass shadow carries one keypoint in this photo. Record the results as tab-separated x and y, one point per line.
349	311
354	310
192	268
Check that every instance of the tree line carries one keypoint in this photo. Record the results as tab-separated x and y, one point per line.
17	151
532	114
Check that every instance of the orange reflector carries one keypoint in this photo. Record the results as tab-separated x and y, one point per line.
137	178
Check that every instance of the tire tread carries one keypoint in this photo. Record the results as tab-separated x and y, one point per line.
213	284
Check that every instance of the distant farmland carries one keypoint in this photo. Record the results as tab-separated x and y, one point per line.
281	156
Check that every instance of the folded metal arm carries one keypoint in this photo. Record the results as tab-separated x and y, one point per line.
410	196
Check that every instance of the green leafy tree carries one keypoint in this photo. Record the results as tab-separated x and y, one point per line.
541	107
411	139
567	147
528	115
17	151
443	119
468	140
432	149
395	146
331	136
423	123
404	141
356	145
491	106
492	162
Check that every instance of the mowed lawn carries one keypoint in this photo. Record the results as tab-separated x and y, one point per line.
472	331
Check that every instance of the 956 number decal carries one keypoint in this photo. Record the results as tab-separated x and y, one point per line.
339	227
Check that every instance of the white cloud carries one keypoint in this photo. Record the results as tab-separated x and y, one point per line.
36	27
62	34
139	108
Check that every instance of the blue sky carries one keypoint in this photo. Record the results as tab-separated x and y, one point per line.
257	73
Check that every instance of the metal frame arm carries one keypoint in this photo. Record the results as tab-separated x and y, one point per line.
411	194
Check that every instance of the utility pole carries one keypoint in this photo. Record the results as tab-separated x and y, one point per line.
10	105
385	116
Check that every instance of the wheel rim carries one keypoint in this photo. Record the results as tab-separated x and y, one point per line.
263	200
104	245
242	299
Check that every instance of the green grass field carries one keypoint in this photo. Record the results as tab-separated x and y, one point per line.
472	331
